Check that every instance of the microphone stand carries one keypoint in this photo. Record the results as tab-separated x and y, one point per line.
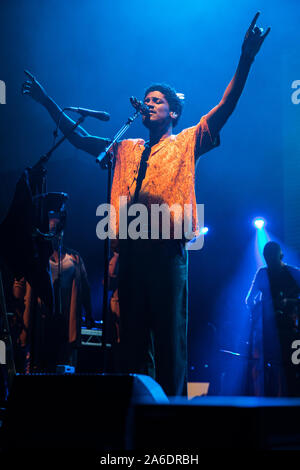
105	160
60	241
39	187
44	159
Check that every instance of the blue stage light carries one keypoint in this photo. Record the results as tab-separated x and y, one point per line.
259	223
204	230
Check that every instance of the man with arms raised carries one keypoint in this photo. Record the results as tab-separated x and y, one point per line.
153	273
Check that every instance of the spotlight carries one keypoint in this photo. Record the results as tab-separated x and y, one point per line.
259	223
204	230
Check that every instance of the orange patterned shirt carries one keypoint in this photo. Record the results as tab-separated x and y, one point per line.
170	175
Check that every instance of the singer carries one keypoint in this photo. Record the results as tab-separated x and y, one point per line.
153	273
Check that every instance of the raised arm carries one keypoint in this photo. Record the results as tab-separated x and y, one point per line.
253	40
79	138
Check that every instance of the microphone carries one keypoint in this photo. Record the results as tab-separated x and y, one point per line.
140	106
102	115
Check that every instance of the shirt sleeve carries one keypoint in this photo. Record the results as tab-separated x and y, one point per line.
115	193
204	141
197	139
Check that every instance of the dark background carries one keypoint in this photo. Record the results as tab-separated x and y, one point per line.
96	54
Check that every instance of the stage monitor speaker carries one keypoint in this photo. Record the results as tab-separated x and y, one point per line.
90	411
209	422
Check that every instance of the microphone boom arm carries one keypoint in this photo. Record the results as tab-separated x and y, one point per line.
104	159
44	159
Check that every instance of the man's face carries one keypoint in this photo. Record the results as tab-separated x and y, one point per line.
160	113
53	223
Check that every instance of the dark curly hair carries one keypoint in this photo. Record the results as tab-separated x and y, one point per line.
175	103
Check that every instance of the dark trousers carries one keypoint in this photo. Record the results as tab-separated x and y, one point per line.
153	311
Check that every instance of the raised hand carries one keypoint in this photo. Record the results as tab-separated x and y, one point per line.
253	39
33	88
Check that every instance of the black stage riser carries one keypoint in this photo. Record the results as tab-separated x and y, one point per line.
75	411
269	424
109	412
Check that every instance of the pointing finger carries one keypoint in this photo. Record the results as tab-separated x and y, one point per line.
29	75
254	20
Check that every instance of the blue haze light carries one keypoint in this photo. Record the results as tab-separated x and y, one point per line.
259	223
262	238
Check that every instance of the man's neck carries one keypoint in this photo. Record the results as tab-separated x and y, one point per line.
155	135
276	266
55	255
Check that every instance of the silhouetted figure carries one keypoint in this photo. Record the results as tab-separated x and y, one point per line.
58	335
274	302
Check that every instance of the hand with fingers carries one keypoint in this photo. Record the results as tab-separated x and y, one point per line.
33	88
253	39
